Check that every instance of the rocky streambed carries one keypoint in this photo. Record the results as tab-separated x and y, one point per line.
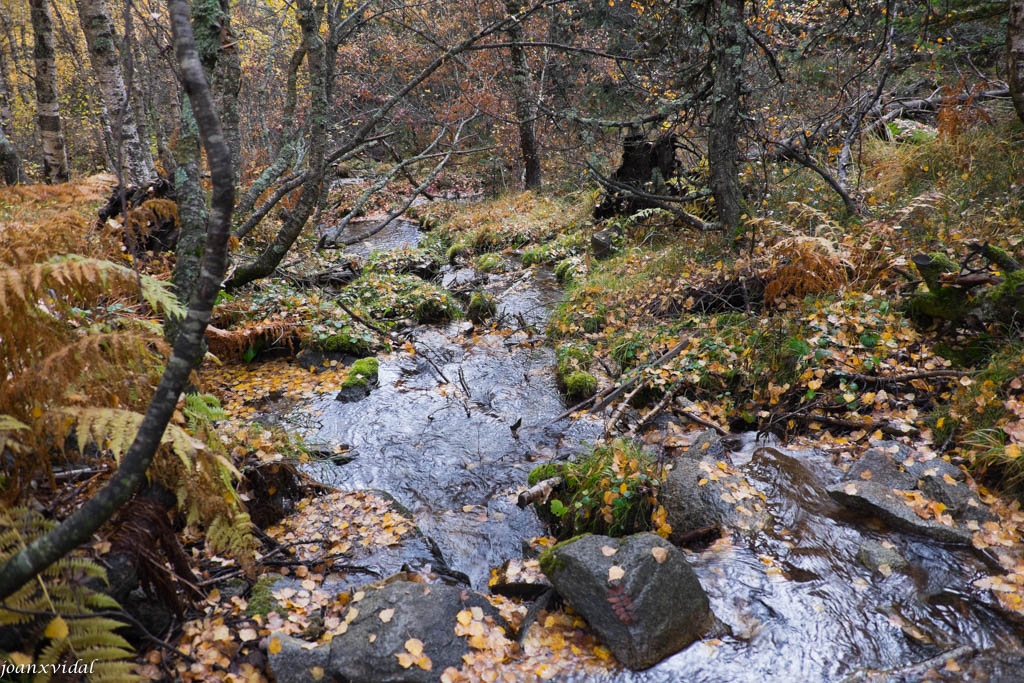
816	578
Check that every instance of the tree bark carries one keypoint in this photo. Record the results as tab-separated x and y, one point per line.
10	161
79	526
728	37
133	154
55	155
526	112
319	83
1015	53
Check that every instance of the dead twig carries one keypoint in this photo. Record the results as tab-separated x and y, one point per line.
539	492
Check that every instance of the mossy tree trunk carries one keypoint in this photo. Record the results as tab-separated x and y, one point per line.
78	527
10	160
728	45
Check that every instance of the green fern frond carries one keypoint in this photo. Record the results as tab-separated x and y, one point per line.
57	591
8	423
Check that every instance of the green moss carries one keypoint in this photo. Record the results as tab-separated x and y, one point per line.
386	297
457	251
261	602
347	341
579	385
549	560
490	263
566	269
938	264
355	381
435	310
545	471
366	368
481	306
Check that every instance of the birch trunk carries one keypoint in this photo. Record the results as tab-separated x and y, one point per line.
1015	50
55	155
133	154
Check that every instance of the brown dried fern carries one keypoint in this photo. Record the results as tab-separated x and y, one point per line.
802	266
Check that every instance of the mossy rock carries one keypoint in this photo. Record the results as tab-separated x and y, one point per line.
366	368
549	562
435	310
481	307
346	341
580	385
490	263
457	251
354	381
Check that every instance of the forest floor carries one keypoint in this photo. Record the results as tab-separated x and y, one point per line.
799	328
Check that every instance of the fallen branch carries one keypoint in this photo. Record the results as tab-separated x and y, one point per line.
721	431
867	425
672	353
660	201
620	409
539	492
899	379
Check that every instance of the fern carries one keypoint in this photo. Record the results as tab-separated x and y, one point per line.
57	611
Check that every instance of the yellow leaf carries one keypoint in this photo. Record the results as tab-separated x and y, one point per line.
405	660
425	663
615	572
414	646
56	629
20	659
660	554
386	614
1012	450
274	646
317	673
464	617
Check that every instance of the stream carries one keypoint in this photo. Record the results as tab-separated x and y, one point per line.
436	434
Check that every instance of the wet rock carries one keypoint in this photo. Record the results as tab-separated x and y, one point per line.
297	662
319	361
519	578
353	393
638	594
462	277
704	492
911	493
367	651
876	556
602	243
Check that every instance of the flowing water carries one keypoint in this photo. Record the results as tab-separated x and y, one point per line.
437	435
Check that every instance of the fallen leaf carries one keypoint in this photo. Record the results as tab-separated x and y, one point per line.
608	551
56	629
386	614
414	646
274	646
660	554
615	572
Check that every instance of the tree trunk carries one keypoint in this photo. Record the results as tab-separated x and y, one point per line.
131	472
526	112
319	87
1015	52
133	153
55	155
227	81
728	37
10	162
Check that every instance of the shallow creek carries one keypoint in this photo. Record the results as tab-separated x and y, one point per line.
436	434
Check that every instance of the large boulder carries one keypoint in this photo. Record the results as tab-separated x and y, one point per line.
638	594
912	492
704	491
377	643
